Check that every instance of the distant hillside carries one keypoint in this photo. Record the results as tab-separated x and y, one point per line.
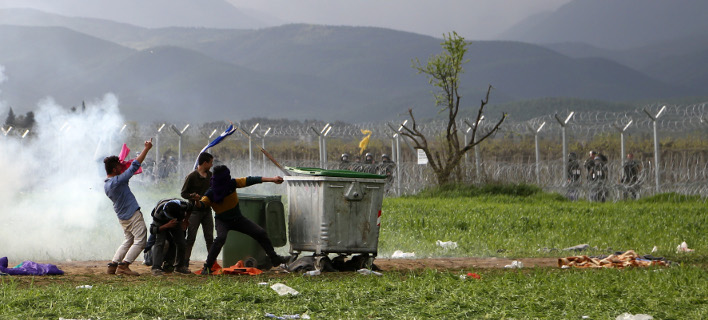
153	13
353	74
614	24
41	62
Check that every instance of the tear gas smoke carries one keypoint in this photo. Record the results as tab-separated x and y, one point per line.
51	185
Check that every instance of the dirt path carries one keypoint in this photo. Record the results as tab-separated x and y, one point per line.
85	268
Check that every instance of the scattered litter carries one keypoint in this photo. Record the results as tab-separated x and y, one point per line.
683	247
282	289
626	259
474	275
579	247
585	317
655	249
312	273
515	265
263	283
86	286
398	254
447	244
367	272
287	316
629	316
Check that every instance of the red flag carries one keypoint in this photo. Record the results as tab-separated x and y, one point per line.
124	165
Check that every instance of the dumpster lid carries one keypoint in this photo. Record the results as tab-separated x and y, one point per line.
258	197
334	173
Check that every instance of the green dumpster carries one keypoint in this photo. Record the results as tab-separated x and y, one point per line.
267	211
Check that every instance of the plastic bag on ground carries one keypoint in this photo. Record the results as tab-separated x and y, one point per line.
367	272
282	289
287	316
515	265
447	244
683	247
629	316
398	254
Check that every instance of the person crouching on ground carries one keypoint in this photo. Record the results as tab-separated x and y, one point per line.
222	197
169	220
128	210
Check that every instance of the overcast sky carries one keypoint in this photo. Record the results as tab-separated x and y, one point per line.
473	19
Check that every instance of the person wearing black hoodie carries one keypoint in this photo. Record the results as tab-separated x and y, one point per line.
223	199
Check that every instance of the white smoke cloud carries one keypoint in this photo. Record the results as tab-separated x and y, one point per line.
51	185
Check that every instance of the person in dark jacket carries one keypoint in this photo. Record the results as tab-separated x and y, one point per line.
574	176
195	185
169	220
223	199
630	177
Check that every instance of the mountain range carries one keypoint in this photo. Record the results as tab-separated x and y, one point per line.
301	71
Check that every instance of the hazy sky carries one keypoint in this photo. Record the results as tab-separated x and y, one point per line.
474	19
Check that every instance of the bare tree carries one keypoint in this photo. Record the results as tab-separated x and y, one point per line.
443	72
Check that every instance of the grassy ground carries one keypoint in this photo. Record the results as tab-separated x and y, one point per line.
492	223
670	293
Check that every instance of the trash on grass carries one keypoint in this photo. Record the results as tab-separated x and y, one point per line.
398	254
627	259
471	275
447	244
683	247
367	272
655	249
579	247
86	286
515	265
287	316
629	316
282	289
312	273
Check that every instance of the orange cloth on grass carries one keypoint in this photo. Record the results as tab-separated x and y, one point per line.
238	268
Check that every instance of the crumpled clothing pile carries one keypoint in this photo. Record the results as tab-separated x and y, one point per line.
624	260
29	268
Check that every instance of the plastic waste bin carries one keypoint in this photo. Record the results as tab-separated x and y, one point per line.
334	211
268	212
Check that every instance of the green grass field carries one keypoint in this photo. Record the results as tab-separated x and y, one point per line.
485	224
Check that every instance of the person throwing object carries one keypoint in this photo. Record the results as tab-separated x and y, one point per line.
222	198
128	211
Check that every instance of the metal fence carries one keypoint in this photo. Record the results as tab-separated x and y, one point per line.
678	171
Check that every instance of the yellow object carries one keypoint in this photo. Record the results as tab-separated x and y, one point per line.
365	141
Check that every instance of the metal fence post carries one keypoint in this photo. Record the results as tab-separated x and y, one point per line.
179	148
325	131
157	150
538	152
621	131
563	124
263	146
656	146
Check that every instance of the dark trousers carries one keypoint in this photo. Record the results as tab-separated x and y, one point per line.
243	225
175	236
204	219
